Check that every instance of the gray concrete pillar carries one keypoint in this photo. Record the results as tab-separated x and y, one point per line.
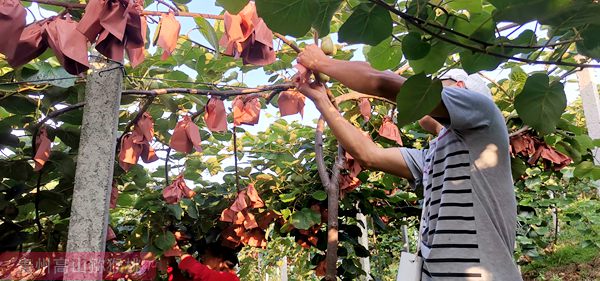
283	269
591	106
95	163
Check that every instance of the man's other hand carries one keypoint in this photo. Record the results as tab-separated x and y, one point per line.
313	91
311	57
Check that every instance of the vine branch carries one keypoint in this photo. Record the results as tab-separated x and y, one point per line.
519	131
38	223
173	8
143	109
331	184
59	112
219	93
167	166
420	24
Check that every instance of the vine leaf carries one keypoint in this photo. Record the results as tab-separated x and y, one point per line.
587	169
474	62
305	218
369	24
384	55
165	240
561	13
319	195
58	76
434	60
413	47
322	22
541	103
18	105
473	6
209	33
418	97
590	46
289	17
232	6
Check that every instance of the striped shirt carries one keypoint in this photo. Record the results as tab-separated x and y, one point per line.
468	227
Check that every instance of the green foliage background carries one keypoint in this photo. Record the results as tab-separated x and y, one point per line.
430	36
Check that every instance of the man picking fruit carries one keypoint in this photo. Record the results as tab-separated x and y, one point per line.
468	227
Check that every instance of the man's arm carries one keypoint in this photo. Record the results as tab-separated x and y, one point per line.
358	76
363	149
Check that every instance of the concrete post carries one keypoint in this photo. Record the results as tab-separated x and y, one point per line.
95	163
363	240
591	105
591	108
283	269
405	238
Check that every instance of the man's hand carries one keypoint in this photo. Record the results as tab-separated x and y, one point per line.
314	91
312	57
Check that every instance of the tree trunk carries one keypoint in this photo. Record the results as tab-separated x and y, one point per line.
333	197
95	164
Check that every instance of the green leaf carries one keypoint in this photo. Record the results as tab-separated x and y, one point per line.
191	208
518	167
541	103
557	13
209	33
369	24
384	55
322	22
8	139
473	62
418	97
584	141
414	47
288	197
63	163
320	195
126	200
17	170
587	169
473	6
478	26
288	17
165	240
57	76
232	6
361	251
213	165
68	135
17	104
590	46
305	218
176	210
51	202
73	117
434	60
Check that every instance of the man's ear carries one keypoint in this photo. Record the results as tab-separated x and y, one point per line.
461	84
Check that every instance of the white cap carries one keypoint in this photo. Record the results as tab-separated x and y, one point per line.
472	82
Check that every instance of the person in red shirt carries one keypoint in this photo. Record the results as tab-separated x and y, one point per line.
217	264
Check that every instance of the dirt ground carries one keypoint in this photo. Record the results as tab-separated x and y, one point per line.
574	272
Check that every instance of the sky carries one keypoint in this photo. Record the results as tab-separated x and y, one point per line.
257	77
